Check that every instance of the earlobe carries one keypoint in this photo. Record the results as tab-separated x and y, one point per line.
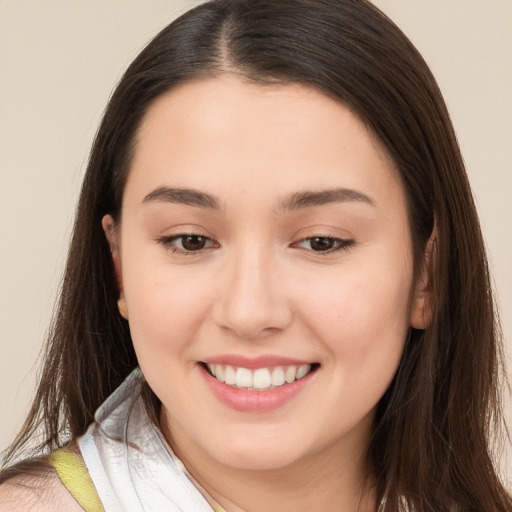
422	308
122	307
112	236
421	313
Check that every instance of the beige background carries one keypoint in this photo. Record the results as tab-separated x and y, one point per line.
59	60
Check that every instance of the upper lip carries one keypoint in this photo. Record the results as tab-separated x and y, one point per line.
252	363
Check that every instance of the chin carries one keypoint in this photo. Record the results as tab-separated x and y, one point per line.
257	455
257	461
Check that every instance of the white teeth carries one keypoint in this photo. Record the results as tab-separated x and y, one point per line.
230	376
219	373
290	374
243	378
260	379
278	376
303	371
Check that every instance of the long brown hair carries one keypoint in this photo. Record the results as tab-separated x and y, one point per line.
430	449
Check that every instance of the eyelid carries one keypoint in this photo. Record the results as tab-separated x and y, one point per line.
340	243
167	242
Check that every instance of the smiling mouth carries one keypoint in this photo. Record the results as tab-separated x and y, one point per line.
260	379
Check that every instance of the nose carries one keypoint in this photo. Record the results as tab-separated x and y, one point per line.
252	300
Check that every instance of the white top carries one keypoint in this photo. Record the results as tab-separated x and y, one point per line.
130	462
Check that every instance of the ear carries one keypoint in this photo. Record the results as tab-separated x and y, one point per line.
112	235
422	307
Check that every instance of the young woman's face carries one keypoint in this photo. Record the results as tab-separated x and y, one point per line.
264	243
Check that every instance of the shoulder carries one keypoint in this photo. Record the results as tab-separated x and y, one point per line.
34	486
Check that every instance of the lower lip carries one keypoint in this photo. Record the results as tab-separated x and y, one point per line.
255	401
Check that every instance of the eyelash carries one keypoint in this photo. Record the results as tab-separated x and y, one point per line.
338	244
168	241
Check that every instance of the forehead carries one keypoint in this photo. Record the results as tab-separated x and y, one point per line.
283	138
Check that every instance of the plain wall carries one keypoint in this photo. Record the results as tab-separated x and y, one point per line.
59	60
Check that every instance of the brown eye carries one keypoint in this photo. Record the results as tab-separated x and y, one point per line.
322	243
187	243
193	242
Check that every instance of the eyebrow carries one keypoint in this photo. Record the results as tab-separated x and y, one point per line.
296	201
308	199
182	196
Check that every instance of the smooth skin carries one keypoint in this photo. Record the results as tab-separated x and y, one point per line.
266	221
36	493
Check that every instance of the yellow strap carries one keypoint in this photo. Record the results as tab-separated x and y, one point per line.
73	473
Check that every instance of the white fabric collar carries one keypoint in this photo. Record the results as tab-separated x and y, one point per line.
131	464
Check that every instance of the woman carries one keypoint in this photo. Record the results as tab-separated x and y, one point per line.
278	279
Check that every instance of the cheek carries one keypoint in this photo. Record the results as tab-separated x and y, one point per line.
362	318
363	324
165	307
361	300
